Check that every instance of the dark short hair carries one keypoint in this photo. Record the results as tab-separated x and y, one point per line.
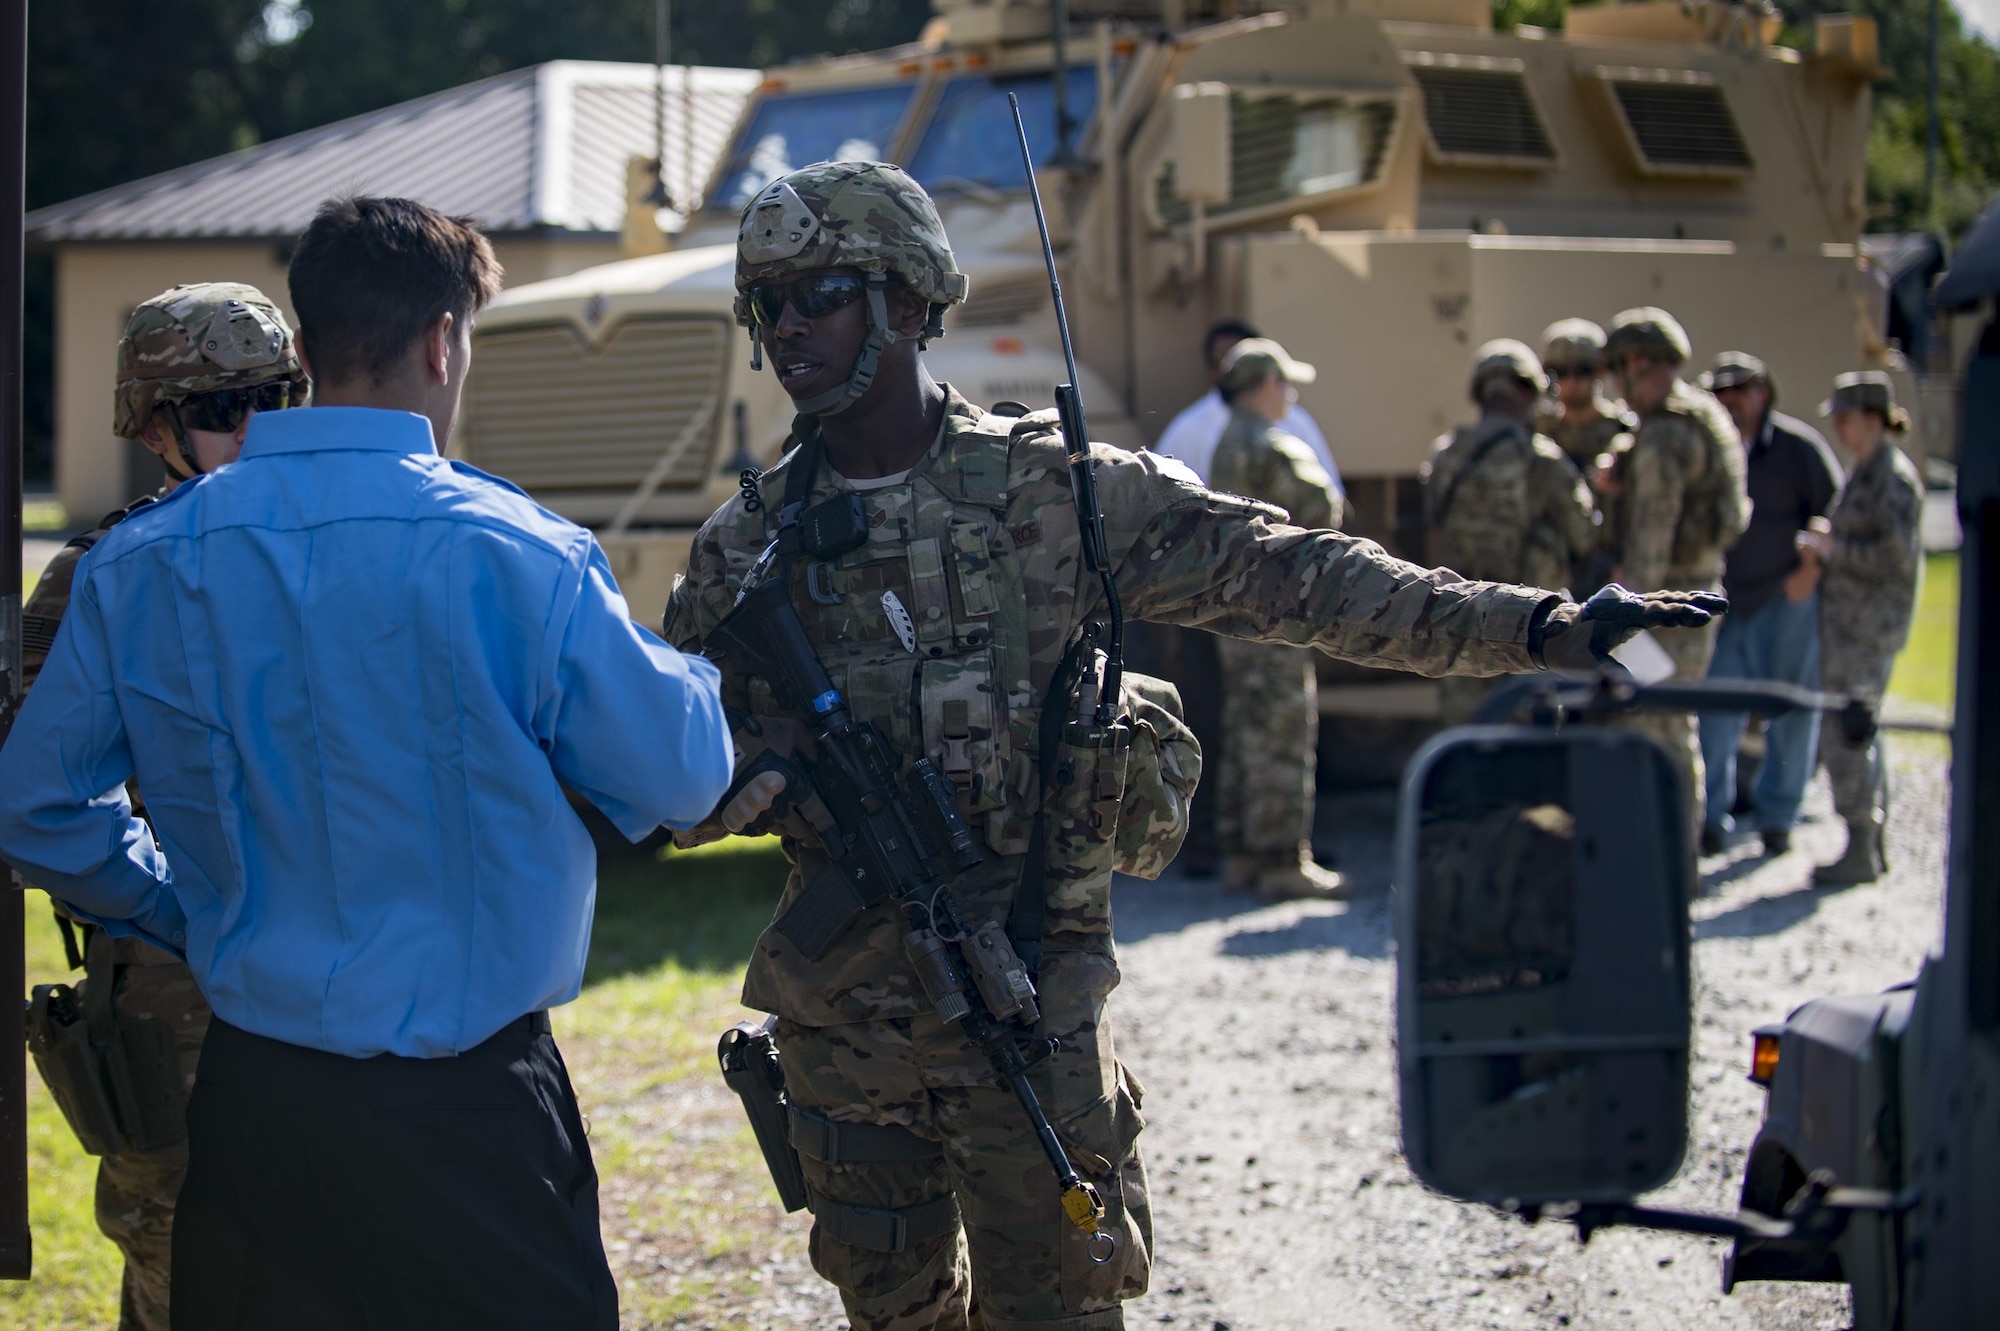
370	275
1233	329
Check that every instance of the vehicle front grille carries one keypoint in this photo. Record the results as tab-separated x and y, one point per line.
555	415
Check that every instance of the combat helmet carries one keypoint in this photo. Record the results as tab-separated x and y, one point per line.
1573	342
1505	357
1650	330
197	339
865	215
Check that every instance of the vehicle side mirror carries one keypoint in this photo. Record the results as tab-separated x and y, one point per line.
1543	992
1200	121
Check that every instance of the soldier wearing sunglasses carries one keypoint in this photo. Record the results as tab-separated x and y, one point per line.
946	612
196	362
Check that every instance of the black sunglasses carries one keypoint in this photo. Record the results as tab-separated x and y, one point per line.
812	297
224	410
1571	372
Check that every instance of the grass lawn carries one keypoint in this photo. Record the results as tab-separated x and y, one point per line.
689	1215
1927	671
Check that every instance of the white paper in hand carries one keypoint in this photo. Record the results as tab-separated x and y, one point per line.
1645	658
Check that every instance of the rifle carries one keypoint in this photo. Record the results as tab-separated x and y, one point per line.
899	839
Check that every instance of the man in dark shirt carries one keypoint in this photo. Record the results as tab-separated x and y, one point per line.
1772	629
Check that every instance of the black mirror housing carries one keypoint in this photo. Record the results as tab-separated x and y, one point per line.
1543	987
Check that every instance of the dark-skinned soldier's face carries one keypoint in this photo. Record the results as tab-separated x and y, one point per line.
813	326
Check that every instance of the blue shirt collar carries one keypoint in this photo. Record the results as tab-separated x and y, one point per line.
335	429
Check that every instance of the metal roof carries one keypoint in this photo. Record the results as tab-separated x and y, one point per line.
540	147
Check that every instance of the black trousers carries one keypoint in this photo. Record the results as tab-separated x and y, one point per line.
327	1193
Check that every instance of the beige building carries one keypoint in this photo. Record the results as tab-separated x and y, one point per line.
538	156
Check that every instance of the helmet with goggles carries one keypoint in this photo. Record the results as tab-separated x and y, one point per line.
210	353
869	217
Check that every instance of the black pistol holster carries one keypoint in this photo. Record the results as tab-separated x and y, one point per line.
749	1056
117	1079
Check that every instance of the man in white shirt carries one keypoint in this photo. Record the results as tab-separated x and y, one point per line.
1191	436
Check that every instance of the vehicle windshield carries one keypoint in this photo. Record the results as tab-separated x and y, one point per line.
797	129
970	146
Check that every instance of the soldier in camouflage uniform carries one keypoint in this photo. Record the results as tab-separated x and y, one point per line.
196	362
1504	504
1591	429
1681	501
1270	694
1870	554
947	628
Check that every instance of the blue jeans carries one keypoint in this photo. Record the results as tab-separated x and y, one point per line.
1779	642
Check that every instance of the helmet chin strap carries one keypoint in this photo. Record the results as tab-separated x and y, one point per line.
880	335
186	448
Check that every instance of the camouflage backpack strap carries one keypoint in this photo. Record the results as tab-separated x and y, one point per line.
1501	433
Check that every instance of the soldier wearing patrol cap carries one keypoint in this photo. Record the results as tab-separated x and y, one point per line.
1869	553
1680	502
1503	503
1270	694
955	613
195	364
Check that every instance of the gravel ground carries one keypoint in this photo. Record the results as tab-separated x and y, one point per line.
1264	1038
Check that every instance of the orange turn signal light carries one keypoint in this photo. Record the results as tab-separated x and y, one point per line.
1763	1058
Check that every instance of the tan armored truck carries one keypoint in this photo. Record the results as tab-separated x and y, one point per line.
1382	185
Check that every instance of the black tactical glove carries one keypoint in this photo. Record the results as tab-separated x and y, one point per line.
1578	639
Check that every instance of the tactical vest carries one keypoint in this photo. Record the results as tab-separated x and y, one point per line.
925	629
1480	501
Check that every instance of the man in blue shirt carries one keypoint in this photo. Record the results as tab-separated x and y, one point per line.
353	677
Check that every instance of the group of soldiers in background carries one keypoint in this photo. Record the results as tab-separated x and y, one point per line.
1598	461
1701	485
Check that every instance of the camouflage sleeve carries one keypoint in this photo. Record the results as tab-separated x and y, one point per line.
1654	490
1187	556
1891	558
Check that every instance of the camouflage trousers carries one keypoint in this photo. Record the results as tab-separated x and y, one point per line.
136	1192
1858	773
1691	650
1270	717
1007	1259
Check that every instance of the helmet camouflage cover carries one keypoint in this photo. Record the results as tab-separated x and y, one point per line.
1573	342
196	339
1504	357
865	215
1648	329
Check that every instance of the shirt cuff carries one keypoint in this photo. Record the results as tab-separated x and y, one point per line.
163	924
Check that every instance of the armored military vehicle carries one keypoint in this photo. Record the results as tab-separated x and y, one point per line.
1382	185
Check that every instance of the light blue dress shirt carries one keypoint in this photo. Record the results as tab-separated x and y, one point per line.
350	676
